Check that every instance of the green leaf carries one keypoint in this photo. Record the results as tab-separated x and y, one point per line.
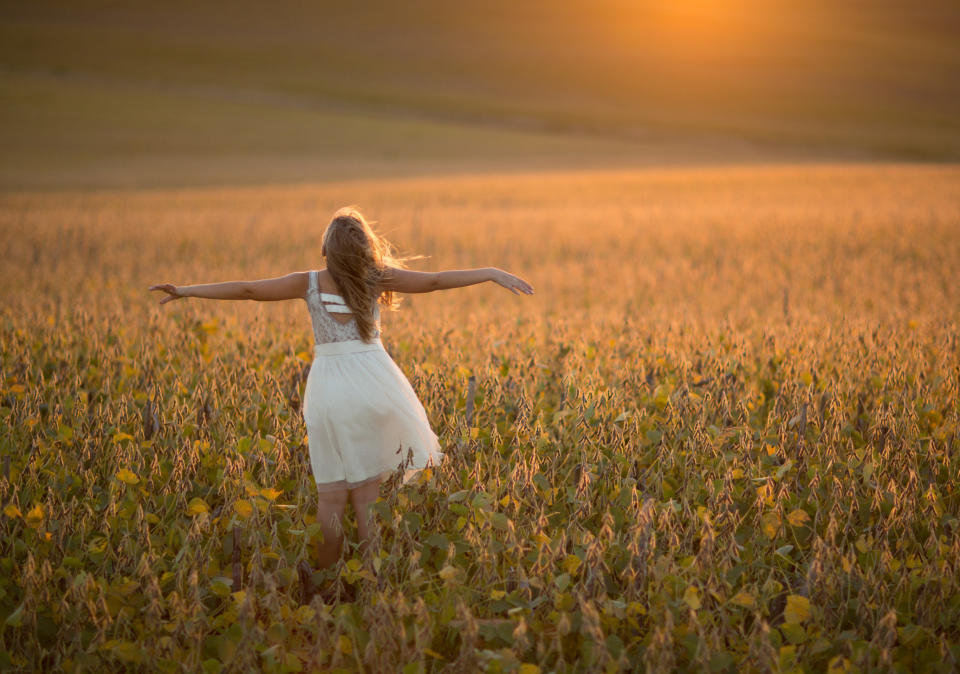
15	618
793	632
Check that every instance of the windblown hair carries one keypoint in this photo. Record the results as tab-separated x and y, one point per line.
357	259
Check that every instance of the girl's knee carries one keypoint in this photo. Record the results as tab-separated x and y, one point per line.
330	505
364	495
332	498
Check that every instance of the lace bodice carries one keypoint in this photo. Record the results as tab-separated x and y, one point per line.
325	327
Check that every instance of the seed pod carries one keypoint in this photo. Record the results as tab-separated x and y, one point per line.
151	420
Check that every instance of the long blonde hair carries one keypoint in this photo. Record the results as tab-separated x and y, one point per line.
357	259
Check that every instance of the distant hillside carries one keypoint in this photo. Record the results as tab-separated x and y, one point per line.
836	78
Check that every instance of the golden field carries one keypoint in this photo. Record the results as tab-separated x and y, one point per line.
722	436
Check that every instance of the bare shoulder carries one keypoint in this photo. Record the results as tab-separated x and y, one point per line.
302	279
325	282
296	283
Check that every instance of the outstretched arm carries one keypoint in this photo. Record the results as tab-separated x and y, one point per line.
406	281
289	287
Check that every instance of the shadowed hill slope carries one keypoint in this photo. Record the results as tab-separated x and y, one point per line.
289	89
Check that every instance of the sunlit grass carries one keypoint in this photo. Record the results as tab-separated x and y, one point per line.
722	435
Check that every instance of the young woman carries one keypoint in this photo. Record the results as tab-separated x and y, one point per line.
363	418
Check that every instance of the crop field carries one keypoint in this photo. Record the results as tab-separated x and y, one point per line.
723	435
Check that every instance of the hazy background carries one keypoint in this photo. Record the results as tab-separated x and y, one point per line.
103	93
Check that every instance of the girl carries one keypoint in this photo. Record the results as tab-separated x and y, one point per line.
363	418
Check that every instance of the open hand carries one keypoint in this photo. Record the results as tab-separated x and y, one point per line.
514	284
173	292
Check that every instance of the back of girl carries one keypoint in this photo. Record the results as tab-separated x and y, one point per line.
364	421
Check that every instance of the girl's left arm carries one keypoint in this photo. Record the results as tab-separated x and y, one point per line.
289	287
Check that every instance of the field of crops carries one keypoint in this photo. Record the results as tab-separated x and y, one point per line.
722	436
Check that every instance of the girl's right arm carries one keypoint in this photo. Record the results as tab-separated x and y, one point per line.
406	281
289	287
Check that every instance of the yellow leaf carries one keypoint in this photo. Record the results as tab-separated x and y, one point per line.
118	437
344	645
197	506
692	597
571	564
35	517
497	594
433	654
798	518
527	668
736	473
270	493
220	587
838	665
12	511
797	610
788	655
127	476
771	525
744	598
448	572
243	508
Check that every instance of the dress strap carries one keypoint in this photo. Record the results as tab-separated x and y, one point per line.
312	281
335	304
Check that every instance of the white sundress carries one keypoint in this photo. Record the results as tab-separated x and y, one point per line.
362	415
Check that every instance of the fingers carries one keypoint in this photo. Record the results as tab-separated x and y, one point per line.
516	285
519	288
524	286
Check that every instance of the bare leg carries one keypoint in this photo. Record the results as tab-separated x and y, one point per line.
361	498
330	505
